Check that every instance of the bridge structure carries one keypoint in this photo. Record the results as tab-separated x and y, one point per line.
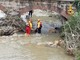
39	5
48	6
53	7
62	12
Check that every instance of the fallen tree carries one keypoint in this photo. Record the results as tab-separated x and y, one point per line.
11	24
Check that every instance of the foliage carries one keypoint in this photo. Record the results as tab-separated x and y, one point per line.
17	18
77	55
71	32
72	25
73	22
62	34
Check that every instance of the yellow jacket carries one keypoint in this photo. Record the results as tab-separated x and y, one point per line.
70	10
30	24
39	24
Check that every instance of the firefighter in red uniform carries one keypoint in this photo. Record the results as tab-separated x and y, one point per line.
28	30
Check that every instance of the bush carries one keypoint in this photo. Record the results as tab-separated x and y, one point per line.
77	56
71	33
72	26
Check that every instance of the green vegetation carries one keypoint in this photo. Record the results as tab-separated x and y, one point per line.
72	26
71	33
77	57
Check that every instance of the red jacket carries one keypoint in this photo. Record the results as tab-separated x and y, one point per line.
28	30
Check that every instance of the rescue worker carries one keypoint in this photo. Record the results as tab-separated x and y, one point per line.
30	24
28	30
39	26
70	10
30	13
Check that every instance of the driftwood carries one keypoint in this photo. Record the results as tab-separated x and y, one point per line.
6	30
11	24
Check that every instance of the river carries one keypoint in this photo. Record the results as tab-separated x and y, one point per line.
21	47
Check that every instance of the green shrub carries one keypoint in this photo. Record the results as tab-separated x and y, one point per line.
73	24
77	56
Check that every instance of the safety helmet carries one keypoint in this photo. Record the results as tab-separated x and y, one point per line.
29	21
38	19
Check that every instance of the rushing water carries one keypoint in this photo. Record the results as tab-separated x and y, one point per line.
21	47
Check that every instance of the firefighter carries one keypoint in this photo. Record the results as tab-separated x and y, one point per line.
28	30
70	10
30	13
39	26
30	24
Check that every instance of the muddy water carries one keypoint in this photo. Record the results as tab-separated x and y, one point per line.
21	47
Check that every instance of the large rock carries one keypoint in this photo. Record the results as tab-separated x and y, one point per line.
2	14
